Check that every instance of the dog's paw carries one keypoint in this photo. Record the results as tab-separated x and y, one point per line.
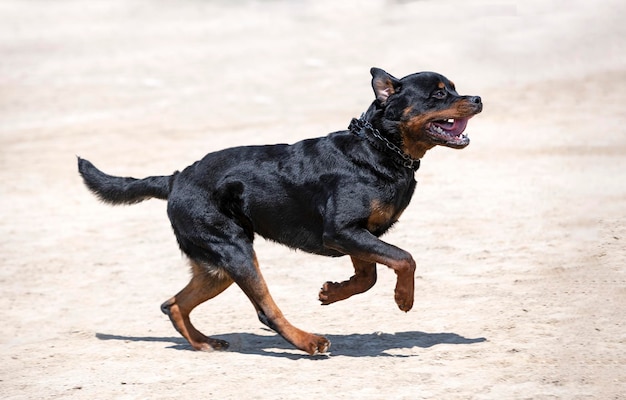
318	345
211	344
404	299
328	293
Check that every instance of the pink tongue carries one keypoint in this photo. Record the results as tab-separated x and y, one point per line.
454	129
459	126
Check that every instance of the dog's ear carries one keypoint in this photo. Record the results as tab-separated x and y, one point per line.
384	85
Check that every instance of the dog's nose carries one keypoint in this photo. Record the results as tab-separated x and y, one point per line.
476	100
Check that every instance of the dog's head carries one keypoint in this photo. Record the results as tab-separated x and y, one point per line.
425	109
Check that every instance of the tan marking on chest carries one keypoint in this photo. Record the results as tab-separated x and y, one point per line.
382	215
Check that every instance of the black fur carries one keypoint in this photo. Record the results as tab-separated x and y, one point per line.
333	195
118	190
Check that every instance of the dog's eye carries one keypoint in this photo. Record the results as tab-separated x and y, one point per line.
440	94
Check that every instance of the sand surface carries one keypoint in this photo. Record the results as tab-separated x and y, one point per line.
520	238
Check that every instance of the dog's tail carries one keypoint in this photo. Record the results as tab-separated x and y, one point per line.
119	190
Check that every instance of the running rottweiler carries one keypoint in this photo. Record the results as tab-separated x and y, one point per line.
333	196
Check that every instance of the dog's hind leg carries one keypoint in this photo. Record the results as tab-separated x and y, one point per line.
206	283
248	276
363	279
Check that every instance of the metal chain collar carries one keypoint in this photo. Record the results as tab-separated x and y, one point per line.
358	125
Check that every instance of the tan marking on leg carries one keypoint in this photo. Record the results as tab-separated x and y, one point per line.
270	314
205	283
364	278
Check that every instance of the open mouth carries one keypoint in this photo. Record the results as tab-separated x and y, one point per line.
449	132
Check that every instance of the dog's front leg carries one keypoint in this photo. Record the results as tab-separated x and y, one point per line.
363	245
363	279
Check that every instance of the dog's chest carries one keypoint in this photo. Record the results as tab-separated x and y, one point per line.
382	216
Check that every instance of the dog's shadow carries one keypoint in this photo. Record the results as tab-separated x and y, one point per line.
353	345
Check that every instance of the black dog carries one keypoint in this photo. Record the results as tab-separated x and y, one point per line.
332	196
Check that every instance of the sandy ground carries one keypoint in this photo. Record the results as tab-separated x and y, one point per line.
520	239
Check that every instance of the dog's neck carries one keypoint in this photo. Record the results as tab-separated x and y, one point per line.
389	129
364	127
